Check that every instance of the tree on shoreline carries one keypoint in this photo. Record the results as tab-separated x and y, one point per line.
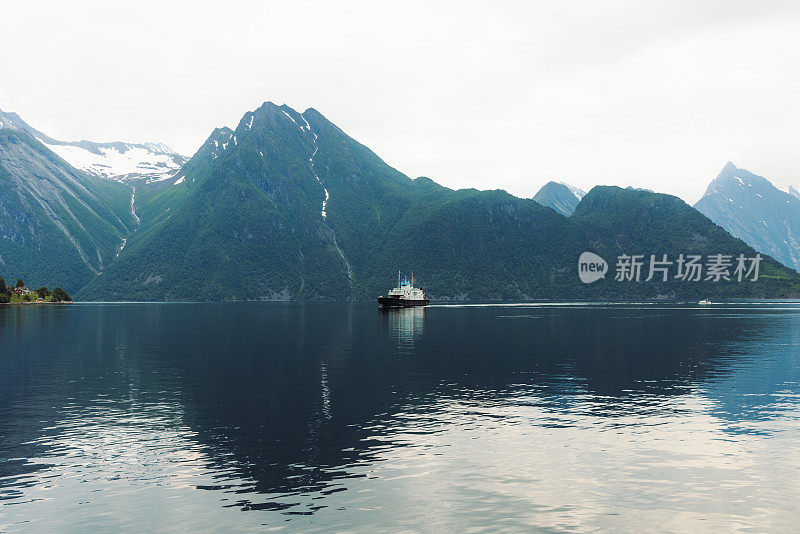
43	293
59	295
5	292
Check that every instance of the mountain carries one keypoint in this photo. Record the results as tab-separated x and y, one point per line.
288	206
117	160
752	209
242	220
617	221
561	197
58	226
793	191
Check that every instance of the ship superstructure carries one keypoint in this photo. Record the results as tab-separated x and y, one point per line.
404	295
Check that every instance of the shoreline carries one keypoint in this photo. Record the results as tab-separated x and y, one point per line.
34	303
439	303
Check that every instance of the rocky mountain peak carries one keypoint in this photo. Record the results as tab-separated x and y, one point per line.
751	208
559	196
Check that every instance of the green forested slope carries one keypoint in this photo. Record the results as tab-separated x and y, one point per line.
245	221
617	221
57	225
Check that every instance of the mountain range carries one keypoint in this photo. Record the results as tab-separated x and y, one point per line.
287	206
117	160
752	209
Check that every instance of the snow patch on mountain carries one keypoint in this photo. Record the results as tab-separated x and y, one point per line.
116	160
290	118
579	193
751	208
217	142
122	161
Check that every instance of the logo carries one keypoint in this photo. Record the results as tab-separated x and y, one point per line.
591	267
686	268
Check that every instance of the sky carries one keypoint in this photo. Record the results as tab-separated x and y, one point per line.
491	95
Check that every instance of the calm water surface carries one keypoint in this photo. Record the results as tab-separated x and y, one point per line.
231	417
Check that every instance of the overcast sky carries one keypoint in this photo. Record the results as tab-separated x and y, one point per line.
486	94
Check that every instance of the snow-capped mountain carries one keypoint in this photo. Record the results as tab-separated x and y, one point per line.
579	193
57	224
116	161
121	161
560	196
751	208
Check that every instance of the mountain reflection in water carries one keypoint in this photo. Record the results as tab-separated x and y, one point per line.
336	416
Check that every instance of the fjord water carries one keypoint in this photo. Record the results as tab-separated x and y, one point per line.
240	416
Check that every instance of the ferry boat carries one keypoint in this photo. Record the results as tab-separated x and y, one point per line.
404	295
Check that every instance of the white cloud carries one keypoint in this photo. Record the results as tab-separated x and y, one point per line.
489	95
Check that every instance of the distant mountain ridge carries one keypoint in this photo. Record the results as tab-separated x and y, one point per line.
57	224
751	208
287	206
561	197
113	160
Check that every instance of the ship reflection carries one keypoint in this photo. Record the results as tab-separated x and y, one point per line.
405	324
